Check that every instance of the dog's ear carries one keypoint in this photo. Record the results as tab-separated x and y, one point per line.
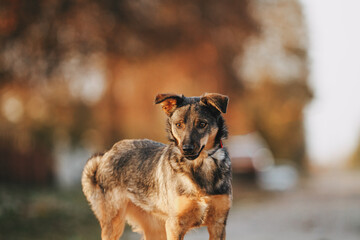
215	100
169	102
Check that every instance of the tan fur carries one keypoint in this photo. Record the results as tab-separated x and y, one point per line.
168	105
152	227
219	206
188	213
211	139
175	134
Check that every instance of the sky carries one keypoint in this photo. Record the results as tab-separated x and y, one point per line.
332	119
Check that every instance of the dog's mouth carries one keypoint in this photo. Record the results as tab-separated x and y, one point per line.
194	156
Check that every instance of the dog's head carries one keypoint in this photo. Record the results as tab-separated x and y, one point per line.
195	123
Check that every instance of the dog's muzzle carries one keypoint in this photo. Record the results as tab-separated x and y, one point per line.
188	152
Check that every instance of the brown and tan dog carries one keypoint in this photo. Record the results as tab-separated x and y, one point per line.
161	190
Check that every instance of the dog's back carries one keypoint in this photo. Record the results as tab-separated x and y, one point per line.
130	165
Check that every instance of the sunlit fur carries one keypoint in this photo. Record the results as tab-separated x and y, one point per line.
158	190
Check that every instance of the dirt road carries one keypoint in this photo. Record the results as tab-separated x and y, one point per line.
325	207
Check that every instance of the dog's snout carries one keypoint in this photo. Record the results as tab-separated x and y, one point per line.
188	149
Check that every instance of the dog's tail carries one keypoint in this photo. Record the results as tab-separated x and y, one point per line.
89	181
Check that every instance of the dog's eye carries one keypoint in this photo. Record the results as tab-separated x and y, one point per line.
178	125
202	124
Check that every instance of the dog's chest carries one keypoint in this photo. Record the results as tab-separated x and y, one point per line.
203	210
213	172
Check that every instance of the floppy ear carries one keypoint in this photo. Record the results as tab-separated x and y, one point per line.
218	101
169	102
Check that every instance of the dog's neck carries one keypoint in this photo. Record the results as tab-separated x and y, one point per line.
218	146
207	168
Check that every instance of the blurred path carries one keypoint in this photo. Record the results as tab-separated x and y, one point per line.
325	207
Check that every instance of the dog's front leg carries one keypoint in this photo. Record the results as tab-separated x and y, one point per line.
217	231
217	216
174	230
187	214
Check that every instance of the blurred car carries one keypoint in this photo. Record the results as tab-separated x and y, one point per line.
249	153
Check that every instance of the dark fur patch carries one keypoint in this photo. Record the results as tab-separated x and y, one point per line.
99	154
222	132
93	178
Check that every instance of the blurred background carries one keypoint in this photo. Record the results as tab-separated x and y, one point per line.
77	76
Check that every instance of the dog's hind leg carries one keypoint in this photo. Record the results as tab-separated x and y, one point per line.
110	210
151	227
112	223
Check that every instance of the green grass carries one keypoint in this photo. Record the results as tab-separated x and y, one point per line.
35	213
47	213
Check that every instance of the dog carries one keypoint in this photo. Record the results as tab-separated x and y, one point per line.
162	190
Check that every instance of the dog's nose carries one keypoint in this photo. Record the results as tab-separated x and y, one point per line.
188	149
